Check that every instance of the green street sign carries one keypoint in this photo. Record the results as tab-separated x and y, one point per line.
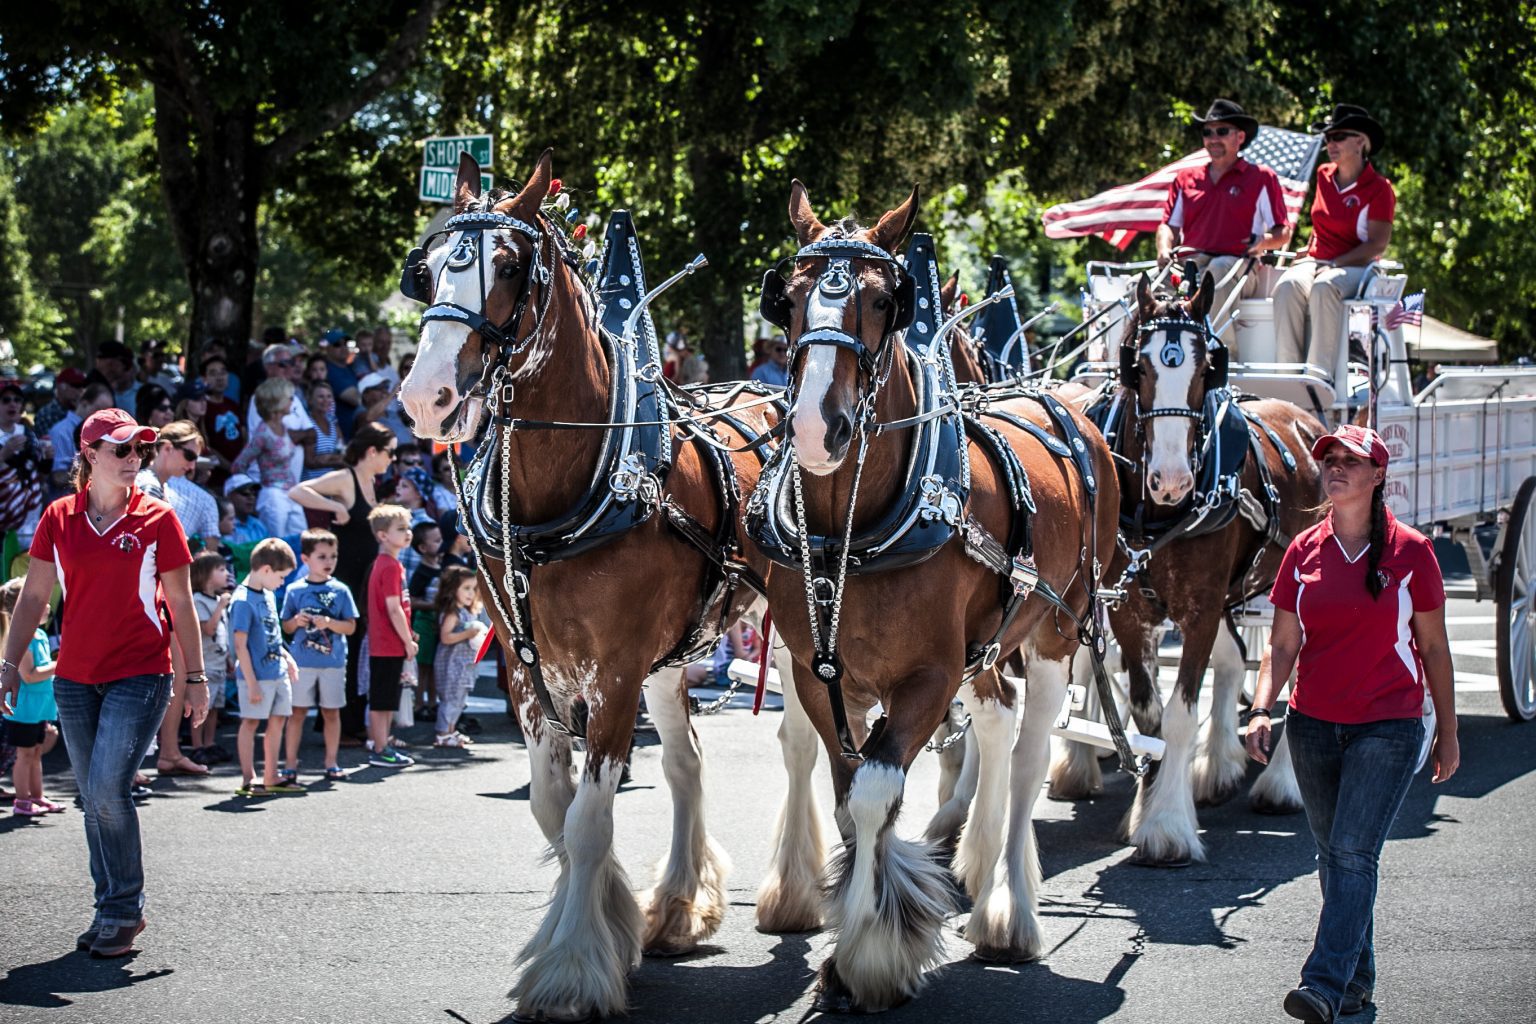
444	150
437	184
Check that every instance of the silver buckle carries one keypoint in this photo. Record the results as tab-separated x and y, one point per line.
1025	576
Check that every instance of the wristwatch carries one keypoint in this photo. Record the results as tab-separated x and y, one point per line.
195	678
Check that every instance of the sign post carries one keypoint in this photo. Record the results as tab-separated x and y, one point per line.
440	162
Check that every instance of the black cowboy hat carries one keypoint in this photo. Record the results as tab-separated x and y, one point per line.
1231	113
1347	117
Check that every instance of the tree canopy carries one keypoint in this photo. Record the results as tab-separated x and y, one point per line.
208	169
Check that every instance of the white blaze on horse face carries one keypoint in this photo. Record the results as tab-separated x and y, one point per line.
807	420
1169	474
435	374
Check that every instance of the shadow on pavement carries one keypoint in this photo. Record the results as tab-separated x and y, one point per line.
40	984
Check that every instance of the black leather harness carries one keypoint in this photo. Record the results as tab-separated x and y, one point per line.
628	486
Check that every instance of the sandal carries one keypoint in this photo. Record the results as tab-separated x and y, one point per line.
287	775
49	806
251	789
182	765
335	773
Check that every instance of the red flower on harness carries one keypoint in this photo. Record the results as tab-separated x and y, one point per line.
127	542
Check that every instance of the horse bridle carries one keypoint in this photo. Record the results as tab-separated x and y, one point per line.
499	341
838	280
1172	355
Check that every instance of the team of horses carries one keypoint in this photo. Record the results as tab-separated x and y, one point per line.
1000	616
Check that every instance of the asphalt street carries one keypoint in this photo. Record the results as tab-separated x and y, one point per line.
403	896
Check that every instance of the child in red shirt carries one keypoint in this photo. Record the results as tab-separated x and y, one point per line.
390	640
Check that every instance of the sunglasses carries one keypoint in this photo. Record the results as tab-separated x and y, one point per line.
1339	136
411	462
1219	133
138	449
284	363
186	453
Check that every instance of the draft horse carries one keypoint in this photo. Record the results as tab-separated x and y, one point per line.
1212	489
608	544
905	636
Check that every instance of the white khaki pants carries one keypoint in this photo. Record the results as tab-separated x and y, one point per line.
1317	291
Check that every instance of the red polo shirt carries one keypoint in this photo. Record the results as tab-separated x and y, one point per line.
1339	215
386	580
1358	660
111	579
1220	217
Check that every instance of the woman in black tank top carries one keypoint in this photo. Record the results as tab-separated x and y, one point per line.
348	495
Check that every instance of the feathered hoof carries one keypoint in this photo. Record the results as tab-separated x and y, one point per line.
834	996
1166	861
541	1017
788	910
1261	803
675	926
1217	794
1004	956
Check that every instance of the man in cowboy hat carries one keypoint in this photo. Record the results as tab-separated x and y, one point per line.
1226	210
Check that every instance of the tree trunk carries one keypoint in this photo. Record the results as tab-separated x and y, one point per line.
720	210
213	191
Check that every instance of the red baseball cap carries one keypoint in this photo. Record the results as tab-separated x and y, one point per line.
1363	441
113	425
71	375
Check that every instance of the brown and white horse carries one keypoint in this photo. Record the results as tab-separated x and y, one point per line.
1194	577
601	619
905	634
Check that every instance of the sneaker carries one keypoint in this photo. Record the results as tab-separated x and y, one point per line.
86	939
1309	1006
391	758
1355	1001
140	792
116	939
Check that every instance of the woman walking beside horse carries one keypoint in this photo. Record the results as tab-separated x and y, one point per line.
1360	613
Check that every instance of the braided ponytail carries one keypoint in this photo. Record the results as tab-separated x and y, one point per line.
1378	540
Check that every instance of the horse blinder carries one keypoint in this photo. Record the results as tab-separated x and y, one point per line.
774	305
415	284
1130	366
904	303
1216	367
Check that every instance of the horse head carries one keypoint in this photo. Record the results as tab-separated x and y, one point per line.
845	299
1168	361
478	280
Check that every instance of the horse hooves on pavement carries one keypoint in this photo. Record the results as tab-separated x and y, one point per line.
1259	805
1217	798
1003	956
1141	860
540	1017
833	996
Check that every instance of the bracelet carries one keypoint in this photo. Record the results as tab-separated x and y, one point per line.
9	664
195	679
1256	713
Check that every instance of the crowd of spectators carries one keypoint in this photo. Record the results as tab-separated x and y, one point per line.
320	529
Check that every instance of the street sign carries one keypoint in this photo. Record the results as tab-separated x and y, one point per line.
437	184
444	150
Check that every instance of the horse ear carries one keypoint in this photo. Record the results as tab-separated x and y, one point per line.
947	292
893	227
1200	302
467	189
1146	305
807	227
525	205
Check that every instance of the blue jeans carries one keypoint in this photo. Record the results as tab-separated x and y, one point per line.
107	730
1353	779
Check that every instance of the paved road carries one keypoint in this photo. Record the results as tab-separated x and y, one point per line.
402	897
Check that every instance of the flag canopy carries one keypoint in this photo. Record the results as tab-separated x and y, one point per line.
1123	212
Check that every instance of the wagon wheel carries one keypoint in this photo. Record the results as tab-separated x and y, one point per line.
1516	617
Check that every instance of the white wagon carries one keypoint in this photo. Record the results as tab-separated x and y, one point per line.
1463	446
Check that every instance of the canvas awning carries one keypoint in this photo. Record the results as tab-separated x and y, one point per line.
1439	342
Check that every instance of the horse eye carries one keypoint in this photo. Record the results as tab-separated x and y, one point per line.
882	304
507	270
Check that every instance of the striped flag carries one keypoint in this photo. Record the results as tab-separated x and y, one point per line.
1409	310
1118	215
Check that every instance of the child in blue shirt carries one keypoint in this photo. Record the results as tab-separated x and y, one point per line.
266	672
319	611
29	728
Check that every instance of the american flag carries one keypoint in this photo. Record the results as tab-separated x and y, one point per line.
1119	214
1409	310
